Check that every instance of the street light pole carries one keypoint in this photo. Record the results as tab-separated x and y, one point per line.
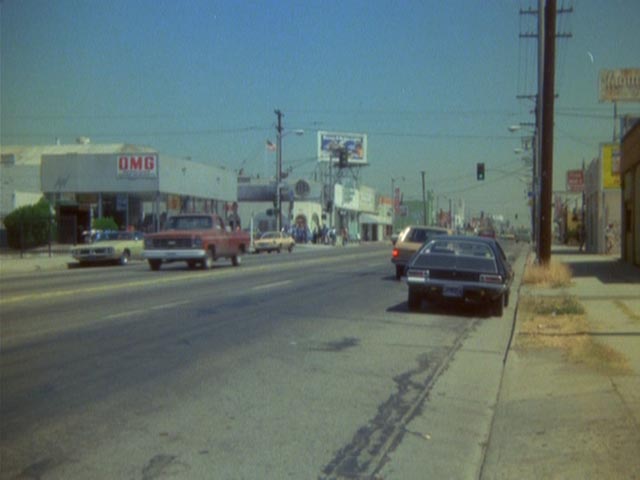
278	169
424	201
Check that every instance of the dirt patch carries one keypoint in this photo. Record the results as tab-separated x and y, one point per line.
560	323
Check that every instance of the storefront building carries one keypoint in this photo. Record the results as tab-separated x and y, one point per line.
603	201
630	173
137	186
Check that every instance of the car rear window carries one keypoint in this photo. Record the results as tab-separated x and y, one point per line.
459	255
421	235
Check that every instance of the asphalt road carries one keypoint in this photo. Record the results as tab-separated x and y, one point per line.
300	365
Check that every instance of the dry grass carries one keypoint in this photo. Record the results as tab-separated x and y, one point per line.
545	327
553	275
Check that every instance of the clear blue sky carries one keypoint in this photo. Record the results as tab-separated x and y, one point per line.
433	84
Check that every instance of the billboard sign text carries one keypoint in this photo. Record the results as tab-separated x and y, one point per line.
138	166
575	181
621	85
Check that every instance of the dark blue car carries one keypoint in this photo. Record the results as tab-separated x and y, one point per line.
471	270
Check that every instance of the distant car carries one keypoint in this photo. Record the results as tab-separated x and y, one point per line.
408	243
487	233
274	242
462	269
109	247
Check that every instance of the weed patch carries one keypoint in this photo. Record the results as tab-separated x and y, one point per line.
560	323
554	275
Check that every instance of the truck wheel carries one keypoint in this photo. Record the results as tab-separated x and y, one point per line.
191	264
207	263
155	265
236	260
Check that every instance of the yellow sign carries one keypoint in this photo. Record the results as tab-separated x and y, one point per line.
610	157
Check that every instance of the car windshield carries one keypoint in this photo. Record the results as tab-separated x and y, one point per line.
269	235
189	223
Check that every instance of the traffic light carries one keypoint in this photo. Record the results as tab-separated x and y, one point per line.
480	171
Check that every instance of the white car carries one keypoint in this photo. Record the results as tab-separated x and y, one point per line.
274	242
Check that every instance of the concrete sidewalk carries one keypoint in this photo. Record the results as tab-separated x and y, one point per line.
558	418
12	262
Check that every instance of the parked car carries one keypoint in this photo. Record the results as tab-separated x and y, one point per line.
462	269
109	247
408	243
274	242
487	233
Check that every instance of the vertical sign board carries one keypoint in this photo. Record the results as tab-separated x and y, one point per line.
137	166
575	181
610	158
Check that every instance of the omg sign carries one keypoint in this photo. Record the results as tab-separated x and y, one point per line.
138	166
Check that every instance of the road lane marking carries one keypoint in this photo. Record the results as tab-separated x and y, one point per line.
130	313
271	285
157	278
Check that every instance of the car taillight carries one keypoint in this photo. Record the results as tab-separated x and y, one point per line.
418	274
486	278
395	253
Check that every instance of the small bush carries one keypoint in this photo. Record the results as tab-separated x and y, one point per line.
30	225
104	223
554	274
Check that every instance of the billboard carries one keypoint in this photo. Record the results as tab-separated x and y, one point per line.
354	143
610	158
621	85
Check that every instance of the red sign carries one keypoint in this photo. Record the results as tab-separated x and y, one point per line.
575	180
135	166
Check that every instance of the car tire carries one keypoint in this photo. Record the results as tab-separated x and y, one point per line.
155	265
278	250
290	248
207	263
414	300
124	258
506	298
399	272
497	306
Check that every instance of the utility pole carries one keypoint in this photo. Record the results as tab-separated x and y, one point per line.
546	154
279	129
424	202
546	36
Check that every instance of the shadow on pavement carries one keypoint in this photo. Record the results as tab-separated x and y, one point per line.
605	272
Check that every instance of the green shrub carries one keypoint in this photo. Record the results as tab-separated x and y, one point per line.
104	223
30	225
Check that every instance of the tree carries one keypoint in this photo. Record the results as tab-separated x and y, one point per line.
30	225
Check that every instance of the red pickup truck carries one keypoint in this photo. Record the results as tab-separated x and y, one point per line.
196	238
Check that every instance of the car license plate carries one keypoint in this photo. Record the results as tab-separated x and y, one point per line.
455	292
